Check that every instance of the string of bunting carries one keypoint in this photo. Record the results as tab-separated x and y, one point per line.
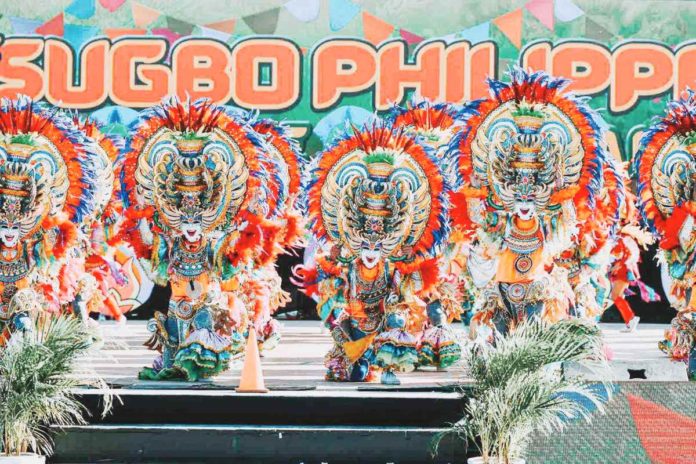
340	14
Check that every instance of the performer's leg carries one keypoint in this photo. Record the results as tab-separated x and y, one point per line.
624	309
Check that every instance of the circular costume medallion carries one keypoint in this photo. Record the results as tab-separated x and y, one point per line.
523	264
184	309
516	292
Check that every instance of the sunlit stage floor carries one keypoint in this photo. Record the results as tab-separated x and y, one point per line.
297	362
306	419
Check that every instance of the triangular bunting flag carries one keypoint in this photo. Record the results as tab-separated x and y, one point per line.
77	35
167	33
24	26
214	34
375	30
53	26
81	9
115	33
410	37
477	33
223	26
143	15
112	5
180	27
667	436
510	24
596	32
264	22
541	10
449	38
341	12
304	10
566	10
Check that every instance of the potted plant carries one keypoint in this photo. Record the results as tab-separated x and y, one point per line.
519	388
37	381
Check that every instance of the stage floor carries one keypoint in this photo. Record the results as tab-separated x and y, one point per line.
297	363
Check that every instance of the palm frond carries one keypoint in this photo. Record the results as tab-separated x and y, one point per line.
37	383
520	388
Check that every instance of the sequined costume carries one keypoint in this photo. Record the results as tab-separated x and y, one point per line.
530	161
195	180
666	167
376	200
283	229
433	126
100	270
46	195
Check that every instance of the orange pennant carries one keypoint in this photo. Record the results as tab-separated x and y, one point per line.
226	26
374	29
53	26
115	33
510	24
143	15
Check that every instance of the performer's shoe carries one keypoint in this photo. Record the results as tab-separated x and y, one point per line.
389	378
632	325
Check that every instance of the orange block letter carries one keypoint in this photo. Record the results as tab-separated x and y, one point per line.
425	76
18	75
587	65
640	69
279	88
341	66
201	69
139	78
686	71
59	64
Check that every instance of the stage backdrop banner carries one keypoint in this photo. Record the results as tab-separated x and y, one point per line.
321	64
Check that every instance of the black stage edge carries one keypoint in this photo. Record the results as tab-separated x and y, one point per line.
351	426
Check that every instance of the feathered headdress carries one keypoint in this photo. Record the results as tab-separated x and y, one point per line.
434	124
377	185
193	160
665	165
46	179
531	139
285	173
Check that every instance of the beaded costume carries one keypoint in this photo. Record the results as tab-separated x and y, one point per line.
666	168
530	161
101	271
377	201
433	126
283	229
196	182
46	196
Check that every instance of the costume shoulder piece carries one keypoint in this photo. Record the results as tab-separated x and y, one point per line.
287	156
666	167
106	157
192	162
531	142
46	179
434	124
378	186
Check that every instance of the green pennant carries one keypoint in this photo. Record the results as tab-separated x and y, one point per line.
179	26
265	22
597	32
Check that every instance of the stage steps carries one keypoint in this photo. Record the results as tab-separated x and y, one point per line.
309	426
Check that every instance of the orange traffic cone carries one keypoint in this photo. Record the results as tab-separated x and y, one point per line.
251	380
